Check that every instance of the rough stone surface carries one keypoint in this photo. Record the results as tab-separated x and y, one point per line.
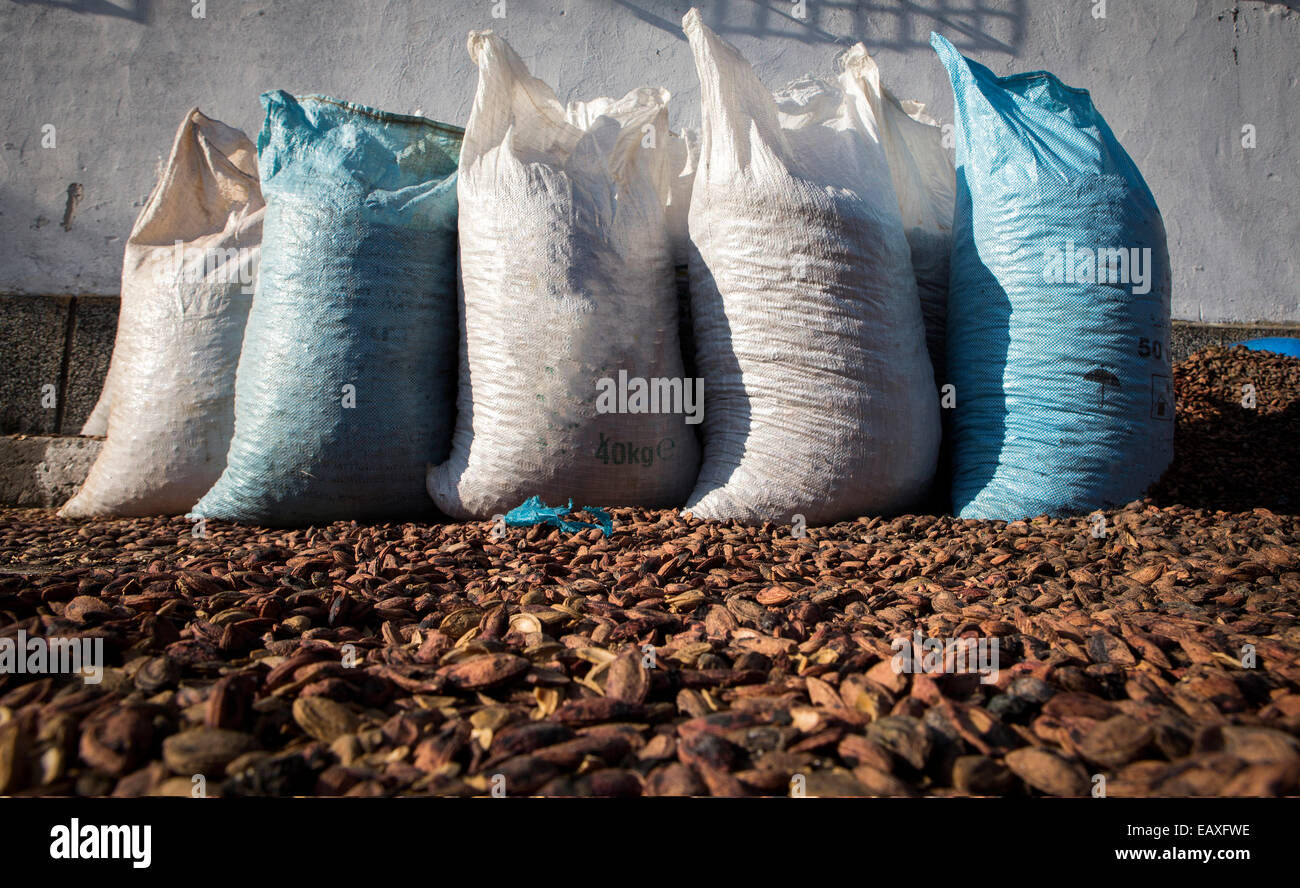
94	328
32	332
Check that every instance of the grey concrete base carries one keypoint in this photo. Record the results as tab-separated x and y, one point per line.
39	470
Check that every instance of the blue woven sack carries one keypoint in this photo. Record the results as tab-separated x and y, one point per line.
1058	312
1279	345
345	389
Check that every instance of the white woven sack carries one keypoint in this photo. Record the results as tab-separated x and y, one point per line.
819	396
680	160
567	280
925	183
187	284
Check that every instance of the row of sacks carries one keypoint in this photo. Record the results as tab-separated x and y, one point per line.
355	380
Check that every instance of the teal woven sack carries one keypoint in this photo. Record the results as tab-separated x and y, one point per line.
345	389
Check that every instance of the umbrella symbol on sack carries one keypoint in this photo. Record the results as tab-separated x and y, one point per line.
1103	378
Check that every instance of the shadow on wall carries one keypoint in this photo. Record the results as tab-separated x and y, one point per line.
132	10
972	25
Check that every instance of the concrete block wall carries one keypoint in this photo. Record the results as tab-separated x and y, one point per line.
56	352
67	343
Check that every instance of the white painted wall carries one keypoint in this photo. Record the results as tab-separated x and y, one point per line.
1176	79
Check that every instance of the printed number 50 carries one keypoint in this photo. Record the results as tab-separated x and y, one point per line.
1150	348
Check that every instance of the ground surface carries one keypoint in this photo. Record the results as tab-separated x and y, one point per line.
684	657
